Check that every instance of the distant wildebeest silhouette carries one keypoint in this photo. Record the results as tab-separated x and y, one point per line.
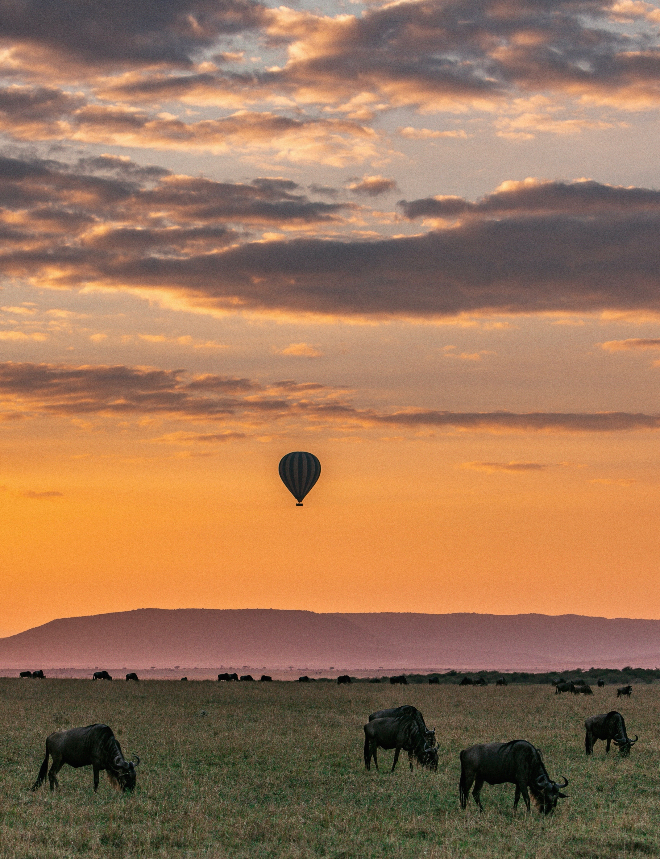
101	675
132	676
266	678
95	746
399	678
611	728
26	674
304	679
228	678
434	681
184	678
246	678
516	762
624	690
582	689
600	683
564	686
481	681
466	681
343	679
501	681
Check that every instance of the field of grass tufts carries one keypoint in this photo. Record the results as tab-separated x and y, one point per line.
276	770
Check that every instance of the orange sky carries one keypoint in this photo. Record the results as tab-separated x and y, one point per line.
417	239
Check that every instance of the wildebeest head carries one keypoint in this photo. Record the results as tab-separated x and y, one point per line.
430	759
625	744
123	773
547	793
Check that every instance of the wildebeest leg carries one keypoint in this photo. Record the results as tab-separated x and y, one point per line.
410	760
56	766
367	753
478	784
521	789
96	778
607	747
396	758
588	743
464	788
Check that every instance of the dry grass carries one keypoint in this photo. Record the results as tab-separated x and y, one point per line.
275	770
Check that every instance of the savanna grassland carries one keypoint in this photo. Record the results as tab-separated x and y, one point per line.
276	770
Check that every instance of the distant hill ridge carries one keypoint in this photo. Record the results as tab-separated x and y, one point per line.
283	639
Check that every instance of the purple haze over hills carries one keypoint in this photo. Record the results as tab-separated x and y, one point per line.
280	639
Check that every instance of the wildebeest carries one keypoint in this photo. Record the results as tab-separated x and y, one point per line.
434	681
501	681
391	732
246	678
132	676
26	674
266	678
343	679
39	674
623	690
304	679
582	689
609	727
481	681
101	675
564	686
95	746
600	683
399	678
407	711
516	762
467	681
184	678
228	677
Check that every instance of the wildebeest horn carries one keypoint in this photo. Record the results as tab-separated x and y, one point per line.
135	759
118	761
635	740
565	782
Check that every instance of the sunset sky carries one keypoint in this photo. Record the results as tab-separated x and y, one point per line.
419	239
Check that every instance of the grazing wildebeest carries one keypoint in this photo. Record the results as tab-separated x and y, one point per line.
390	732
481	681
407	711
623	690
132	676
304	679
582	689
399	678
466	681
39	674
609	727
94	746
564	686
343	679
266	678
516	762
26	674
600	683
228	677
501	681
101	675
184	678
246	678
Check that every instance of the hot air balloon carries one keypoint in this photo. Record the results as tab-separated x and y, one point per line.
299	471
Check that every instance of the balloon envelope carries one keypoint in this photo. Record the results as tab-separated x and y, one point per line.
299	471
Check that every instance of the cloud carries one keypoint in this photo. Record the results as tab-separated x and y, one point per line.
372	186
510	467
529	247
301	350
70	391
630	345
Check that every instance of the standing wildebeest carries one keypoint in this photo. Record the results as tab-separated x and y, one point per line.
304	679
501	682
266	678
610	727
466	681
399	678
94	745
407	711
623	690
517	762
434	681
582	689
343	679
39	674
26	674
101	675
390	732
600	683
132	676
564	686
228	677
246	678
184	678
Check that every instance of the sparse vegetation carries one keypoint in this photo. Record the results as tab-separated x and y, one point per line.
276	770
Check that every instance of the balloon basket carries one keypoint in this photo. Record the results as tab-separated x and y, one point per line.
299	504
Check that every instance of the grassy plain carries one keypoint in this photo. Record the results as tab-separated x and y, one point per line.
276	770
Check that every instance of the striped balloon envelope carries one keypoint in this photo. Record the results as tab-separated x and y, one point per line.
299	471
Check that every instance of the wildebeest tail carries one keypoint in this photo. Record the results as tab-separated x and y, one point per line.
367	750
42	774
462	792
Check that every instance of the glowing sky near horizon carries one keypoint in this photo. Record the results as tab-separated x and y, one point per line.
419	239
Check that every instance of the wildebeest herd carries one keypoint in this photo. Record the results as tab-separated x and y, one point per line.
402	728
